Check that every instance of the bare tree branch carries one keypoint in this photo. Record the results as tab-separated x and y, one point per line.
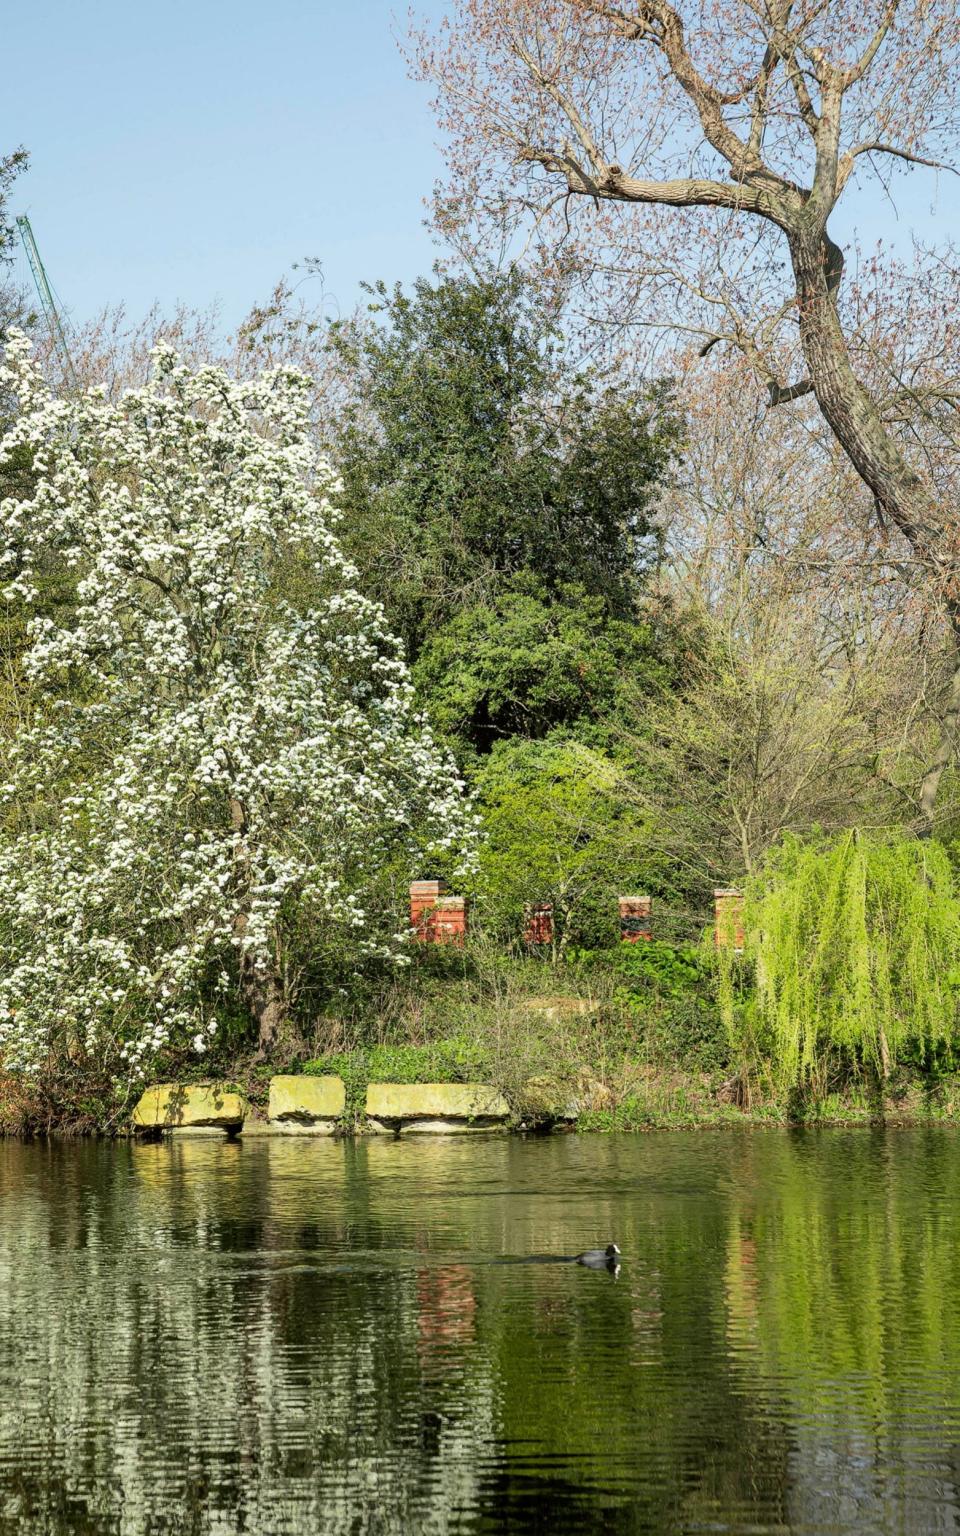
782	395
658	22
858	70
875	147
684	192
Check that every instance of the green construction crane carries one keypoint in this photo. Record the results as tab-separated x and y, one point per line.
47	302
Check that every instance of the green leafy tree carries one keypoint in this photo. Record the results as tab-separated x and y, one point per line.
856	948
530	661
557	827
472	451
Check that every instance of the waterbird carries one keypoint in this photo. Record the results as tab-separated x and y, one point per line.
592	1258
600	1258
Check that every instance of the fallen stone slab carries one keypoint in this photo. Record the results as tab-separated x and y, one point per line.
435	1108
545	1099
306	1106
193	1107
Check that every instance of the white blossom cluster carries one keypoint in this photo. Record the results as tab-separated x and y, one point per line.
220	745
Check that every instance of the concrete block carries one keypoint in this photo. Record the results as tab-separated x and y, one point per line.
303	1105
197	1106
437	1108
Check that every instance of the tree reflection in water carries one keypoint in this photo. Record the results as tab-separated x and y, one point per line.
287	1336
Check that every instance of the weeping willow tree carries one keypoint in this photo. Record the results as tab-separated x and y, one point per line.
855	946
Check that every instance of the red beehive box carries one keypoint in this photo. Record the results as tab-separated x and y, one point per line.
449	920
538	923
636	918
424	895
435	917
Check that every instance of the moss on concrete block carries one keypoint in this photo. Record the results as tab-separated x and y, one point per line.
563	1098
301	1105
197	1106
439	1108
547	1098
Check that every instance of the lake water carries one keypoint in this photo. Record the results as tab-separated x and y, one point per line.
305	1336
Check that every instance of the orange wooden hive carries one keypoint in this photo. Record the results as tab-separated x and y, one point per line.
424	895
449	919
728	918
435	917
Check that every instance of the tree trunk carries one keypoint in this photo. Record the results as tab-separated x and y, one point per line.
261	986
856	422
262	993
848	408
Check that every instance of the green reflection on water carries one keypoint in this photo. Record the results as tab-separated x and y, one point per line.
280	1335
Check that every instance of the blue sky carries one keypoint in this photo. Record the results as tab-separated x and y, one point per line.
195	151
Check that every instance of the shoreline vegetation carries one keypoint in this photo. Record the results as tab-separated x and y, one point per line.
624	1039
652	1100
400	627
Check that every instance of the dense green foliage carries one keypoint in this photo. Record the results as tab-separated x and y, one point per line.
559	827
499	502
529	661
472	452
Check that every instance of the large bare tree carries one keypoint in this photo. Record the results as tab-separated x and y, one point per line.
685	161
803	697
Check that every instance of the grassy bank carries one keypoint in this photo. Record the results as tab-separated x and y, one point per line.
624	1039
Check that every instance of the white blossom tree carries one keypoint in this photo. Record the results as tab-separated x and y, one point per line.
218	748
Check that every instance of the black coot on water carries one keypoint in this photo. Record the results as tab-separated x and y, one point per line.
600	1258
592	1258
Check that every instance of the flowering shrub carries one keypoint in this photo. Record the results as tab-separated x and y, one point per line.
219	750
